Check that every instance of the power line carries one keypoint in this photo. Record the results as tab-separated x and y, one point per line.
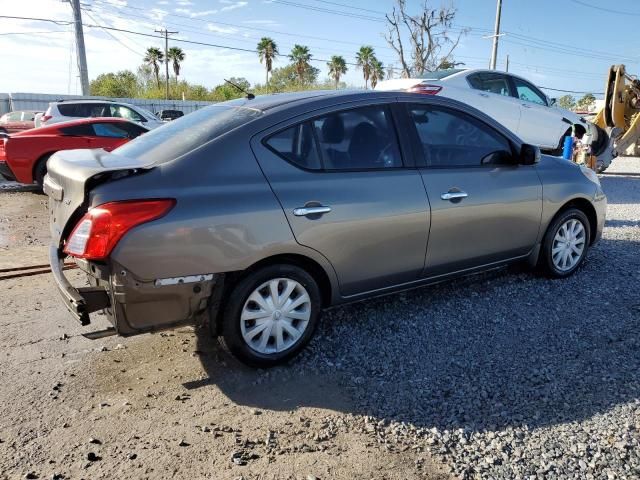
352	7
604	9
571	91
227	47
327	10
57	22
111	34
222	35
235	25
33	33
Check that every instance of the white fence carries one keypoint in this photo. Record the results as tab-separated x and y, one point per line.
40	101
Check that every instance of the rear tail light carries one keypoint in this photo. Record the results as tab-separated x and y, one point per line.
102	227
425	89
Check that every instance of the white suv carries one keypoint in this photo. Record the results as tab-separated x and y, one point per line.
64	111
511	100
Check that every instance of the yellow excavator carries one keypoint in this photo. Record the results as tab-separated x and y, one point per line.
618	122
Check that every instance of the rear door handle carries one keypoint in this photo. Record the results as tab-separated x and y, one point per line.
485	95
451	196
305	211
526	105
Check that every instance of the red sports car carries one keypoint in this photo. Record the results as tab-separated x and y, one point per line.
23	156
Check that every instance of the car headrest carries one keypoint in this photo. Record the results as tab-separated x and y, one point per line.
333	129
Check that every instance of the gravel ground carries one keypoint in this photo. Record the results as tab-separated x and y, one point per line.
504	375
508	375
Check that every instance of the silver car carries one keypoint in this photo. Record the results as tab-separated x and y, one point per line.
253	215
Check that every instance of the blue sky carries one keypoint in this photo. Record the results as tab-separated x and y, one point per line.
563	44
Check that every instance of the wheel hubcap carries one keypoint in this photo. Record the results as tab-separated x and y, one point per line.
568	245
275	316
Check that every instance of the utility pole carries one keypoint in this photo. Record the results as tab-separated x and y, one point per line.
496	34
166	34
82	54
507	69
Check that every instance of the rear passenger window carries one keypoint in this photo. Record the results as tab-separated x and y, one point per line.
454	139
297	145
78	131
490	82
109	130
357	139
71	110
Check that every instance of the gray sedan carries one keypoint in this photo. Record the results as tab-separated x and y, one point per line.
253	215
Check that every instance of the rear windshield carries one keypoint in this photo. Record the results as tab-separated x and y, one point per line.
180	136
439	74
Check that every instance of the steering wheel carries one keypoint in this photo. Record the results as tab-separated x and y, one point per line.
465	133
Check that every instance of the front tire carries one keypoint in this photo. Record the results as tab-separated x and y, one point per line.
565	244
271	315
40	171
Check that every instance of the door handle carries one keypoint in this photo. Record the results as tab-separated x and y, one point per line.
525	105
305	211
485	95
452	196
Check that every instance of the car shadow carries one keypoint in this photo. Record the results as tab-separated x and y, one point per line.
505	348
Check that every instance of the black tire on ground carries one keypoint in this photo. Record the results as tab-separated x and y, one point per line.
40	171
231	335
546	263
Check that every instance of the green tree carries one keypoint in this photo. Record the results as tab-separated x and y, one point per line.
225	91
566	102
586	102
337	68
154	58
364	59
123	84
267	51
377	72
285	79
300	57
176	56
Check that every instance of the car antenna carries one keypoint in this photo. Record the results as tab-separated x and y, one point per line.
250	96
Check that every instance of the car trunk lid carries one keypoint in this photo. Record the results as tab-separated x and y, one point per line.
70	176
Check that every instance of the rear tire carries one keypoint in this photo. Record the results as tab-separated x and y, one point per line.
256	326
565	244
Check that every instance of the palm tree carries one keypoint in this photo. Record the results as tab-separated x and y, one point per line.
377	72
267	51
300	57
337	68
176	56
154	58
364	58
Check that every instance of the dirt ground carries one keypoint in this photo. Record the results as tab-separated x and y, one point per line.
169	405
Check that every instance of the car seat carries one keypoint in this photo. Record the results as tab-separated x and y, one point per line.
365	147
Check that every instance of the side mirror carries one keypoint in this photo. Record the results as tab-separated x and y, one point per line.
552	101
529	154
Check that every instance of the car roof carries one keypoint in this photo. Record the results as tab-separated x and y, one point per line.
90	101
272	101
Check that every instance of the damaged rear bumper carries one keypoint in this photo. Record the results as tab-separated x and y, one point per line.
79	301
134	305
